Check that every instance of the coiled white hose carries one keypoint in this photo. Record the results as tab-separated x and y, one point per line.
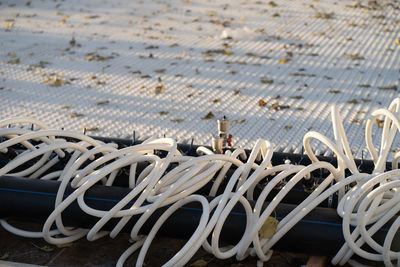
366	201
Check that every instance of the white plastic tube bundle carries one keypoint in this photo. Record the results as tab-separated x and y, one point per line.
366	201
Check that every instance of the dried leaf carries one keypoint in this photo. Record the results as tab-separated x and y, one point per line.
272	4
211	13
297	97
161	71
66	245
41	64
324	15
163	113
152	47
385	88
199	263
251	54
94	56
14	61
92	17
356	56
66	107
266	81
93	129
353	101
159	89
5	256
178	120
334	91
298	74
56	82
277	106
208	116
44	248
135	72
72	42
262	103
210	53
364	85
269	228
76	115
284	60
379	123
240	121
103	103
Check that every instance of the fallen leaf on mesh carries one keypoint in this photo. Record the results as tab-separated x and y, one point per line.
353	101
76	115
93	129
209	116
240	121
178	120
160	71
66	107
391	87
14	61
262	103
284	60
103	103
379	123
56	82
159	89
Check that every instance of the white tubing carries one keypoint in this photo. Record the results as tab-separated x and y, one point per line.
366	201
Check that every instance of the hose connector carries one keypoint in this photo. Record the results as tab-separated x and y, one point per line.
223	129
217	144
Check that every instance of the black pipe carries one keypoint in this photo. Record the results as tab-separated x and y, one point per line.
295	196
366	166
318	233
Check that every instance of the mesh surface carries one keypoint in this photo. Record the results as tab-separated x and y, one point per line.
173	67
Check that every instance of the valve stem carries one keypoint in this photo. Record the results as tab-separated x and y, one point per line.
223	129
219	143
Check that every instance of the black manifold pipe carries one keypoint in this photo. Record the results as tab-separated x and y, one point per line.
319	233
366	166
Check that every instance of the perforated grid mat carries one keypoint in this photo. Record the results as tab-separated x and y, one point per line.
174	67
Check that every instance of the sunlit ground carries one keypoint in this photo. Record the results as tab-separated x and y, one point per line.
174	67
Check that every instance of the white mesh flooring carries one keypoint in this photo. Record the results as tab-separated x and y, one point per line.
159	67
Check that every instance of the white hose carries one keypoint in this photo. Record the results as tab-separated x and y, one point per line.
366	201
